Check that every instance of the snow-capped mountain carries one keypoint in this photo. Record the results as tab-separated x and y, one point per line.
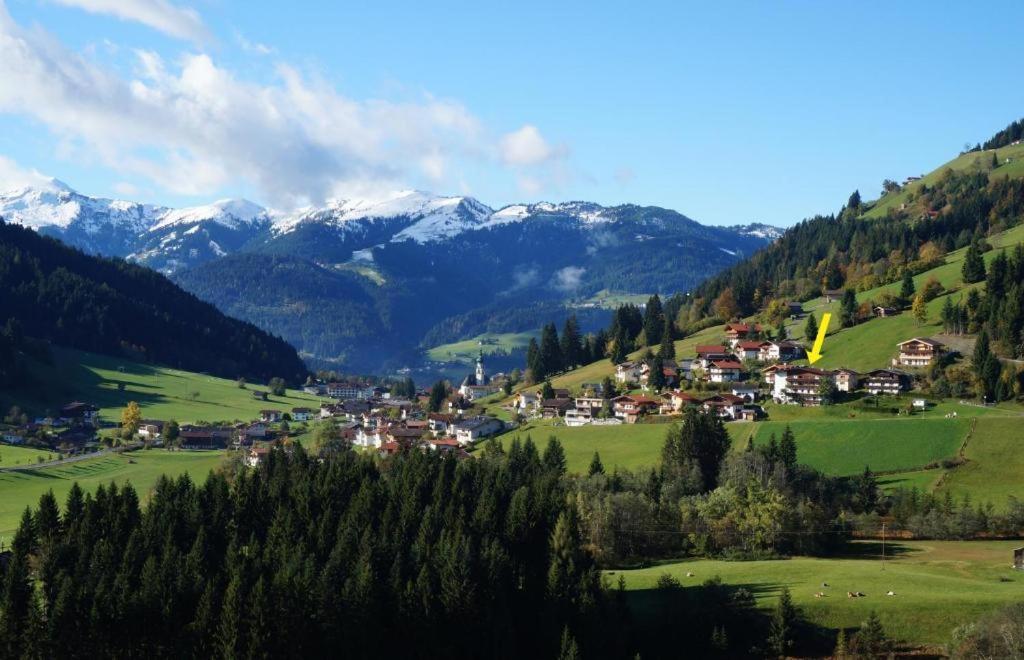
163	238
758	230
357	282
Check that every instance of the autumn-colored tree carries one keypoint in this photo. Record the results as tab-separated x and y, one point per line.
726	306
131	417
919	309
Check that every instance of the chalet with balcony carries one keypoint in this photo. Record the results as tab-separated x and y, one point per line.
631	408
918	352
724	371
846	379
886	381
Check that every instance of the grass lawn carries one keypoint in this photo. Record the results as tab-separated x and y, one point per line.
163	393
467	350
844	447
11	455
923	480
938	584
141	468
995	467
630	446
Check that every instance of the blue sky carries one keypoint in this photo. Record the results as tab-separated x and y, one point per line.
744	112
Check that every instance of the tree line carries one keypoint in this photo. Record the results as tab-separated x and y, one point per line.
61	295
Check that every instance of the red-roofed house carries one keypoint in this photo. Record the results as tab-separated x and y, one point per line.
724	371
630	408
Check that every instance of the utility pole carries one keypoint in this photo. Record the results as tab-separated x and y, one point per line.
883	546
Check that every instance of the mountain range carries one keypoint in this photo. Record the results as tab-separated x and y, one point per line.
355	283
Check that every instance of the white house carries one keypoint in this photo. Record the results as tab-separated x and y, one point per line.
724	371
474	428
628	372
302	414
748	393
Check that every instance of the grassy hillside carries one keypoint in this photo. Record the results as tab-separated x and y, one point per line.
844	447
141	468
163	393
467	350
12	456
995	467
872	344
938	585
975	161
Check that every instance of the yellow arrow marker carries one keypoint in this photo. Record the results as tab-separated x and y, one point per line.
815	353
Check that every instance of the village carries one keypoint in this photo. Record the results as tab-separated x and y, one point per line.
730	380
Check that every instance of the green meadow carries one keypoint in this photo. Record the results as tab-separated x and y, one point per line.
142	469
937	585
162	392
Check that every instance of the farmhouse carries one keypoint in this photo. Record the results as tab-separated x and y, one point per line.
735	332
724	405
676	401
630	408
883	312
551	408
748	393
205	437
79	410
886	381
627	372
749	349
257	455
918	352
302	414
846	379
831	295
271	415
799	385
781	351
527	400
708	353
474	428
724	371
150	429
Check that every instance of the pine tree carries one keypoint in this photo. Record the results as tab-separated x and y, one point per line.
841	650
780	331
571	344
550	352
782	630
981	352
811	328
596	466
787	449
554	456
871	639
654	320
973	269
907	287
848	309
854	201
656	374
438	393
667	349
533	361
547	391
569	649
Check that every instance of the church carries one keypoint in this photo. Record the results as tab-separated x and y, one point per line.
477	385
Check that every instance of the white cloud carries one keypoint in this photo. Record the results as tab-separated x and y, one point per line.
191	126
568	279
253	47
13	176
526	147
176	21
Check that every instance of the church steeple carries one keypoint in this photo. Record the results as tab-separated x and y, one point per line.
481	378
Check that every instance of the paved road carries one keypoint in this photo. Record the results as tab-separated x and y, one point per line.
71	459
